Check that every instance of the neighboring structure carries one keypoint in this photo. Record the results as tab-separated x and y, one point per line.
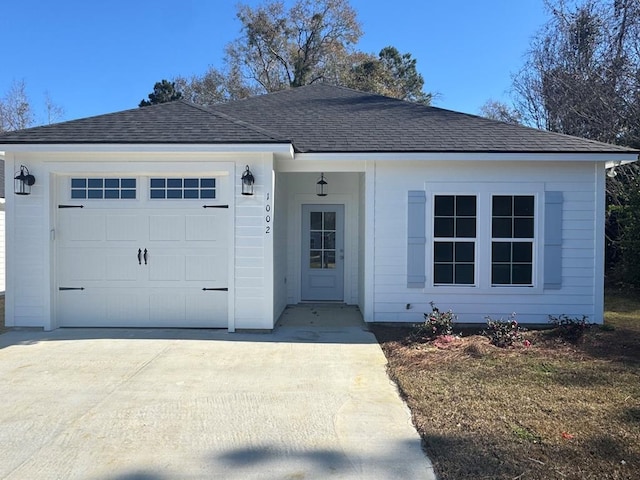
2	224
137	218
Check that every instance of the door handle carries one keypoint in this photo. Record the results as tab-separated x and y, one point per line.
139	257
145	256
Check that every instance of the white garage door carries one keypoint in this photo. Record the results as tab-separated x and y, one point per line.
141	252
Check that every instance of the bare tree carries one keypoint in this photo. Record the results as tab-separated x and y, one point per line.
496	110
15	109
54	112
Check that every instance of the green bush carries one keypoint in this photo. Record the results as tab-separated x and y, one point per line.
569	328
436	324
503	333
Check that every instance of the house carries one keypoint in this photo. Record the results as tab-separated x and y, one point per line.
138	218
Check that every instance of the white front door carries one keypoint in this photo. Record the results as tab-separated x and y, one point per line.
322	252
141	262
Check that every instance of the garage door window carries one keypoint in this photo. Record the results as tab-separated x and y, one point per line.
103	188
182	188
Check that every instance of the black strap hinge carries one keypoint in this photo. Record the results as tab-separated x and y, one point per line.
215	206
221	289
70	288
70	206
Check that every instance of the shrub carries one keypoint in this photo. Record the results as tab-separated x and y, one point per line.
569	328
436	324
503	333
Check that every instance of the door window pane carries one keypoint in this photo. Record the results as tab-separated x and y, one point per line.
322	239
182	188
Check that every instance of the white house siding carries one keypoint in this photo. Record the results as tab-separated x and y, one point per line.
344	188
581	290
30	246
279	221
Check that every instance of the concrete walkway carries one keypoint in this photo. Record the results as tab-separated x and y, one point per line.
308	401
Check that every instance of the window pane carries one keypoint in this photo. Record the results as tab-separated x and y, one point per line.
464	252
128	194
444	205
329	241
207	182
330	220
174	183
500	274
207	194
329	259
112	182
174	193
501	228
522	274
157	194
443	227
464	274
157	183
522	252
502	206
315	240
523	227
78	183
190	183
443	273
191	194
316	220
128	183
523	206
95	194
501	252
111	194
95	183
466	227
78	194
466	206
315	259
443	251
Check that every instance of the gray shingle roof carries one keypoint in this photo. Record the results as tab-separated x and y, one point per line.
174	122
314	118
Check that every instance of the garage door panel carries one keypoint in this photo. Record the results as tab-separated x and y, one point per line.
123	227
209	228
83	308
166	268
123	268
207	309
166	228
126	308
81	265
206	268
82	228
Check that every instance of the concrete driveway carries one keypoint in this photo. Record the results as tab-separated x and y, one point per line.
299	403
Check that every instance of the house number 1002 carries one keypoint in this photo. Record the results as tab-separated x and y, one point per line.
267	217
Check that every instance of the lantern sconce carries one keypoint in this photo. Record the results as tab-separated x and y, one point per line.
322	186
23	181
247	181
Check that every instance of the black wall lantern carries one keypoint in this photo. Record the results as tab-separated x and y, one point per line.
23	181
322	186
247	181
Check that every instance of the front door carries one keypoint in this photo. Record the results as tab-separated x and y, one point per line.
322	252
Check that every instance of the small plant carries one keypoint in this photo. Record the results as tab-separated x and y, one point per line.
436	324
503	333
569	328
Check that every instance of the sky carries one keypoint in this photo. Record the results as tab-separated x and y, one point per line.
100	56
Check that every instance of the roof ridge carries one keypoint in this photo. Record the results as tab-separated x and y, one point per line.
242	123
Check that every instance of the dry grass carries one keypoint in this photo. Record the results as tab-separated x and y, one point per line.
554	410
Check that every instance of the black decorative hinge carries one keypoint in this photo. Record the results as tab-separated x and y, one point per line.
222	289
70	288
215	206
70	206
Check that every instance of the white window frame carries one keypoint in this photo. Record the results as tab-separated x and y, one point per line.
484	193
